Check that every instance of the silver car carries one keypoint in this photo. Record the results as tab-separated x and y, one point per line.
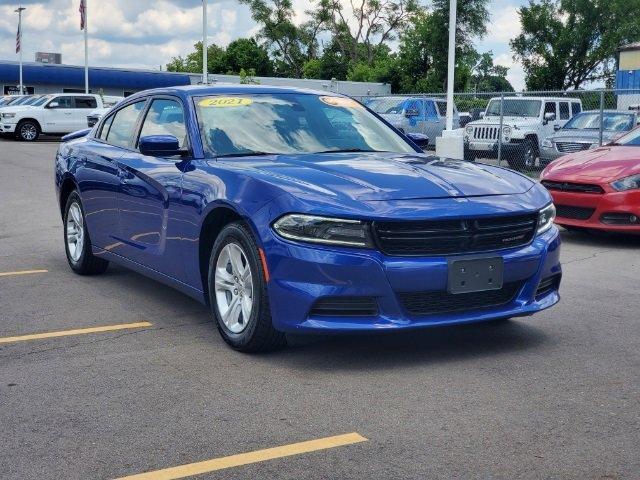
582	132
415	114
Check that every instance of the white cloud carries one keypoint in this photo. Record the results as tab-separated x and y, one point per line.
504	25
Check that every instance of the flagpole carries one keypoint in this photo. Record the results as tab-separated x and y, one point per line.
86	49
19	11
204	43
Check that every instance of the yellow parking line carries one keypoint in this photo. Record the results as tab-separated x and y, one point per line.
77	331
21	272
249	457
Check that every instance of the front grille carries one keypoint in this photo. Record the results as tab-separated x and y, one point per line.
576	213
485	133
434	302
547	285
572	187
571	147
438	237
344	307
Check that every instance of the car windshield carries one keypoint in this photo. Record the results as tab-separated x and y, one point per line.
387	105
291	124
631	139
22	100
39	101
614	122
514	108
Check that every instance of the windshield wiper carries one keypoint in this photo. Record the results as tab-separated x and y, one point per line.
245	154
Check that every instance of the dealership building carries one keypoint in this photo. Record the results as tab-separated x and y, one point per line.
628	77
55	78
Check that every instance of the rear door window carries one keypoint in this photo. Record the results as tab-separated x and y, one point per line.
86	102
564	111
123	125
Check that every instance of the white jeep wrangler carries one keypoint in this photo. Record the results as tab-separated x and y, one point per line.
526	122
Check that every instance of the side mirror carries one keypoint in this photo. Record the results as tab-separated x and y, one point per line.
481	115
160	146
421	140
549	117
53	105
556	127
412	112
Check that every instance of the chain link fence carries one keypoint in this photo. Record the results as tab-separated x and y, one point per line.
523	131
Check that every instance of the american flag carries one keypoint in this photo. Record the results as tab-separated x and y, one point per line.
83	14
18	38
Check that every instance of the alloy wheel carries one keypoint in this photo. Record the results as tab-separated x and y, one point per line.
75	232
28	131
234	287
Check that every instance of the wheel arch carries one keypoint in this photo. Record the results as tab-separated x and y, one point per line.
215	220
67	186
29	119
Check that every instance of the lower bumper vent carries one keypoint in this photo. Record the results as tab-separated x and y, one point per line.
548	284
434	302
576	213
344	307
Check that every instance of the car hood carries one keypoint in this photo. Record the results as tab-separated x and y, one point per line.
527	121
17	109
585	136
604	164
384	176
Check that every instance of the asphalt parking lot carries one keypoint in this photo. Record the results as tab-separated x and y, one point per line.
151	385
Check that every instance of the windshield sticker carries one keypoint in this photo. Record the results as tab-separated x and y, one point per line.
222	102
340	102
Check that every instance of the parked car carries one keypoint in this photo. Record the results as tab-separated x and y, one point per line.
53	114
582	132
414	114
96	115
287	210
598	189
526	122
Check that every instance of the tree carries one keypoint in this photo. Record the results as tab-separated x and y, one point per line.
567	43
216	60
371	25
246	54
424	44
289	44
488	77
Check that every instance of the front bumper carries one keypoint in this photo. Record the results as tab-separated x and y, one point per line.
301	274
490	149
603	206
7	127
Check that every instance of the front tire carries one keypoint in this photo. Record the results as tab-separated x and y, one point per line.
238	292
526	159
28	131
77	242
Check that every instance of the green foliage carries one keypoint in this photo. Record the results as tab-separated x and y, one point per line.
487	77
567	43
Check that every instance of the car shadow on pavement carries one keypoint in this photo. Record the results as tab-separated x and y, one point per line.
388	350
601	239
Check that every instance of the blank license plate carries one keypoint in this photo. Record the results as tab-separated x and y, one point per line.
475	275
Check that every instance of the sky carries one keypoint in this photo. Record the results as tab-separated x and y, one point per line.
147	33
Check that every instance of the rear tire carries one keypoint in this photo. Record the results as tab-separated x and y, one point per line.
77	242
238	292
27	131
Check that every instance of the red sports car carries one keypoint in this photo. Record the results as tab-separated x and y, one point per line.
600	188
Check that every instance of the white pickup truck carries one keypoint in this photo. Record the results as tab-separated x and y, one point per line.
55	114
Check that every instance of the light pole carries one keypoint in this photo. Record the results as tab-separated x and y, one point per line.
451	61
204	43
19	11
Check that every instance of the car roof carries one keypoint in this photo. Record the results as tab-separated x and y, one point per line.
409	97
553	99
229	89
621	112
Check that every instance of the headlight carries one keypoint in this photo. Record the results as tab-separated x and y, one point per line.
468	130
506	131
330	231
545	218
627	183
546	143
8	115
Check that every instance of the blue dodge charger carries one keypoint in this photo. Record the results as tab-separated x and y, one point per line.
288	210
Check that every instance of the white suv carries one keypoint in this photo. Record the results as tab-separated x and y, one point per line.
526	122
53	114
